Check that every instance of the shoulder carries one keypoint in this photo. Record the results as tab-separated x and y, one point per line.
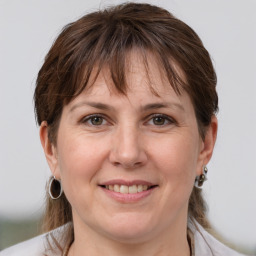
36	246
206	244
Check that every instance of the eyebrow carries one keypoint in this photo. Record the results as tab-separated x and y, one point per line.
162	105
147	107
92	104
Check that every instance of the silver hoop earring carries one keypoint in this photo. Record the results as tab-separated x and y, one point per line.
55	189
199	181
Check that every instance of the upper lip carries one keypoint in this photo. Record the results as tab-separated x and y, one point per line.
126	182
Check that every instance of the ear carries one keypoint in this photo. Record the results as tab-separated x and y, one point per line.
208	145
50	150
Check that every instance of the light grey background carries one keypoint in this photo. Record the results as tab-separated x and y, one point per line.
227	28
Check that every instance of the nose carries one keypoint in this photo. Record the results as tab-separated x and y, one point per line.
127	149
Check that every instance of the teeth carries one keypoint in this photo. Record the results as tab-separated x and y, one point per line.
116	188
133	189
124	189
140	188
127	189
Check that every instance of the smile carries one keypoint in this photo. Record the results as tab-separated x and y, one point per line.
124	189
128	191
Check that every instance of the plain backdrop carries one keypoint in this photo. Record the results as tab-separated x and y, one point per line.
228	30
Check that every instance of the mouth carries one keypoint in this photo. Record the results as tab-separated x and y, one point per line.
128	189
124	191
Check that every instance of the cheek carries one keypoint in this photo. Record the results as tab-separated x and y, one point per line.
176	159
79	155
79	161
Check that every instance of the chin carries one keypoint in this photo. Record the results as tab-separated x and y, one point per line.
130	229
134	236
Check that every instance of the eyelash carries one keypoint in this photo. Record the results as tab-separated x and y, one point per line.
165	117
90	117
149	118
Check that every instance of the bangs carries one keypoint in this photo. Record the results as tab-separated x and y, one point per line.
116	73
109	46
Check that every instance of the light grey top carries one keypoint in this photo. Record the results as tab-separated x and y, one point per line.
204	245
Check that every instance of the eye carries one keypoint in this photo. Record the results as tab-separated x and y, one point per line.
158	120
161	120
94	120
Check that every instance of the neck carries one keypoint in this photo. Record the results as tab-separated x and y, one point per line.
138	250
173	243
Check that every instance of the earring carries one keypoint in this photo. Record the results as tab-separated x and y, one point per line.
55	189
199	181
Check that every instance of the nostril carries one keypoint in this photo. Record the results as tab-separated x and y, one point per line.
131	165
128	159
127	165
116	164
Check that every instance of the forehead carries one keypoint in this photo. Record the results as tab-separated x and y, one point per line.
143	73
146	83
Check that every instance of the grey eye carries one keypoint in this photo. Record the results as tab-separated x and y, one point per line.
96	120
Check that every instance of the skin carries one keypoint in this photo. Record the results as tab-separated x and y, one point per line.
129	143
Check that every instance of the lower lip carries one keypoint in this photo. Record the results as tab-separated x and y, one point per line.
128	198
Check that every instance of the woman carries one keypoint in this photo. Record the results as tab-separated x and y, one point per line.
126	102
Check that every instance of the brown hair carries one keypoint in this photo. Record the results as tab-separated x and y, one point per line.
104	38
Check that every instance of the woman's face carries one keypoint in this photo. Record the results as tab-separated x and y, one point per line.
128	163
